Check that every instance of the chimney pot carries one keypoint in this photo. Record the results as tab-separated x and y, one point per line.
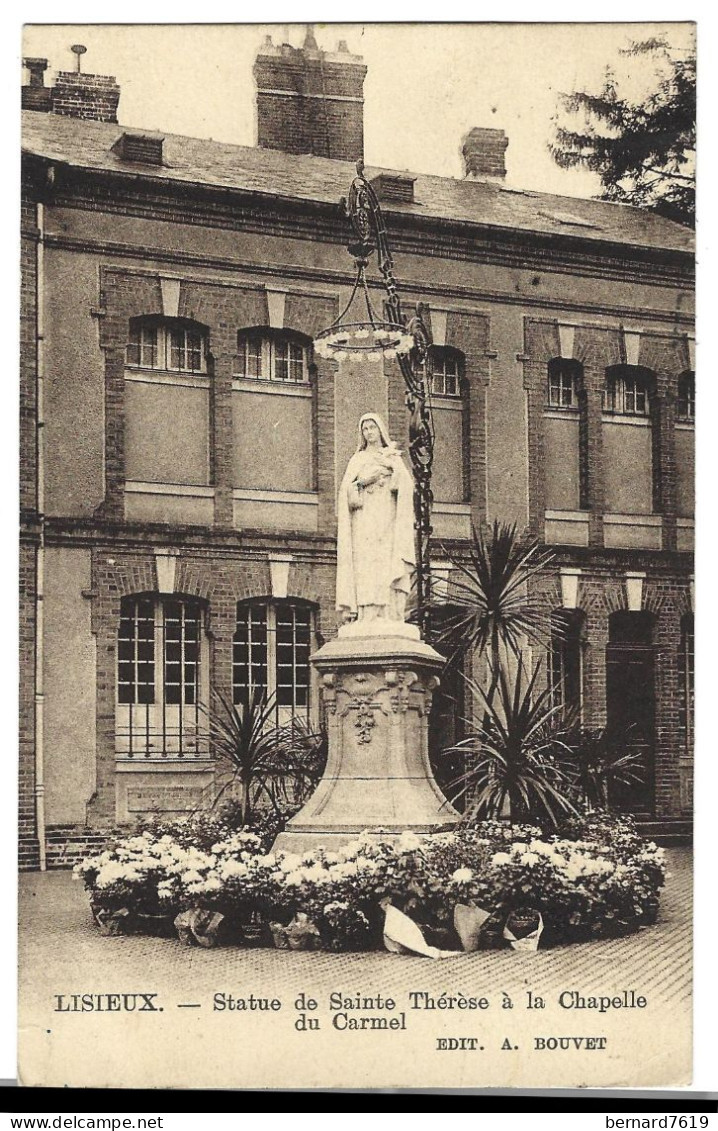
484	154
35	95
309	101
342	47
37	68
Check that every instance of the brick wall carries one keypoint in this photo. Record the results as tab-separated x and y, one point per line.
597	349
92	97
666	597
29	532
219	581
308	103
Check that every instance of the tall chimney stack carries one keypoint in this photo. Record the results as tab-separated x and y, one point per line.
35	95
74	95
484	154
310	100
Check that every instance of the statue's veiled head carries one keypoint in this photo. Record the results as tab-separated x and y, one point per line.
371	427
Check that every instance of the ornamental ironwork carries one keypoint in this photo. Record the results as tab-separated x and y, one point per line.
360	331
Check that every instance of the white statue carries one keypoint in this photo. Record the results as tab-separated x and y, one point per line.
375	540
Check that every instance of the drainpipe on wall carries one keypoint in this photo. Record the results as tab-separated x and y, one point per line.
40	564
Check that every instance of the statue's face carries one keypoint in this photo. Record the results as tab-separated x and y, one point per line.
371	432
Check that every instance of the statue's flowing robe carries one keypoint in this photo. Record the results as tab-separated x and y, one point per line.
375	538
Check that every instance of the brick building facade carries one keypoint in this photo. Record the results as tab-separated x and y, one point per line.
182	444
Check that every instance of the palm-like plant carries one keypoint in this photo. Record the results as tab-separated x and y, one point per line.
262	762
515	754
243	737
490	592
300	756
601	760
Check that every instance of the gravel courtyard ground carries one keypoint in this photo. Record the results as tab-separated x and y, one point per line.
192	1043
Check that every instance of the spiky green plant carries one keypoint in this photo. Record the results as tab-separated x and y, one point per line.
493	609
514	754
600	760
243	739
259	761
300	756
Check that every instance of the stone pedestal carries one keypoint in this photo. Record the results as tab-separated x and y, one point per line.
377	691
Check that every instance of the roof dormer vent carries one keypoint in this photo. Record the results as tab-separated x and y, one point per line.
145	148
396	187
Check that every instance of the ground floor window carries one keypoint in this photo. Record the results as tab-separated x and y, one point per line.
565	663
161	666
270	653
686	669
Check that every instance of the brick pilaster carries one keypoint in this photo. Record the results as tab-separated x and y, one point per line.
663	413
594	656
535	383
222	434
325	447
593	377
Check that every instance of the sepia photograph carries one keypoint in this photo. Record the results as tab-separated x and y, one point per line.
357	413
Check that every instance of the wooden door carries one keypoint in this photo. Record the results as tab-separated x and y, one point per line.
631	711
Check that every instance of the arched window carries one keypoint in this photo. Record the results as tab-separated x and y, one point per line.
273	410
270	654
564	376
565	662
449	394
686	672
161	678
173	344
627	390
272	355
631	440
686	404
565	436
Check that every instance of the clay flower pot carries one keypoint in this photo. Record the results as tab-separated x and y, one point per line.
523	929
302	934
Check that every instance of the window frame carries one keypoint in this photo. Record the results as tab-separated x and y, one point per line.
163	330
440	355
686	398
686	681
273	350
623	386
563	376
147	723
566	636
266	613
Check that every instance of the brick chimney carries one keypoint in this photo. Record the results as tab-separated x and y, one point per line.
36	96
74	95
93	97
484	154
310	100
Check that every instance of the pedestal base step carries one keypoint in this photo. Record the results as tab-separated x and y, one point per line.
305	840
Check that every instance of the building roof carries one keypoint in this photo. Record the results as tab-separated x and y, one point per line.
200	161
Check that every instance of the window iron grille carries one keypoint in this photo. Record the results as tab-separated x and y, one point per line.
159	680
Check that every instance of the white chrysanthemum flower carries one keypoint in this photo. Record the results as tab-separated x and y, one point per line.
290	862
408	842
462	875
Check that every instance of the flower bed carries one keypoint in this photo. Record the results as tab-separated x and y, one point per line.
594	878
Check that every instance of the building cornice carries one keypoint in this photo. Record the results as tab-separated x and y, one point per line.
135	536
143	195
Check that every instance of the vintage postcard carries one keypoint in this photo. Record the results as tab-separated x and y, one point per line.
356	625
